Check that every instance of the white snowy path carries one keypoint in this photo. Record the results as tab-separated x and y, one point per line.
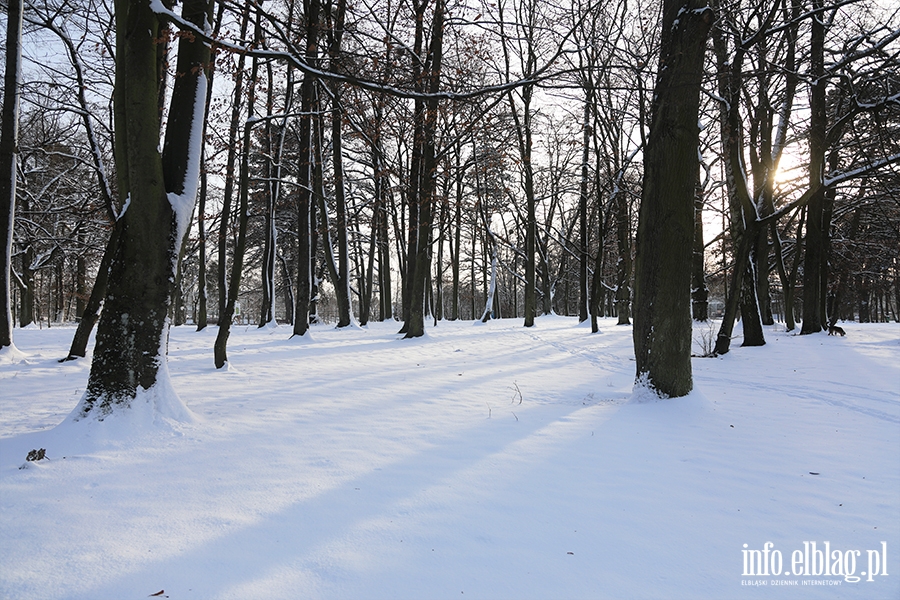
483	461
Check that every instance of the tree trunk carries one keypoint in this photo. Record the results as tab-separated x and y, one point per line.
272	160
202	310
662	317
457	224
414	193
8	157
133	332
28	293
422	258
202	298
699	291
623	266
91	313
228	194
342	284
597	280
744	226
385	299
814	261
531	222
220	347
582	211
304	179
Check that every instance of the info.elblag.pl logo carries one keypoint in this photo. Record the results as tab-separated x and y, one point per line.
813	560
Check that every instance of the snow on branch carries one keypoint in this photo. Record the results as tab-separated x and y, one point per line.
838	177
290	58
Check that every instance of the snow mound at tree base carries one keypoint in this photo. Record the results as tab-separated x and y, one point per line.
10	355
154	418
153	412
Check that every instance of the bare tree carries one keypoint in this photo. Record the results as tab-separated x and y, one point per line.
662	327
8	151
160	189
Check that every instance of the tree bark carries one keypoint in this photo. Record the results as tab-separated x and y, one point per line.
422	258
202	297
662	317
9	136
744	226
220	348
342	284
272	175
623	265
304	176
583	298
699	291
160	191
414	193
814	261
228	194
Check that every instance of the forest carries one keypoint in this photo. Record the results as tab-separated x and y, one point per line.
353	161
450	299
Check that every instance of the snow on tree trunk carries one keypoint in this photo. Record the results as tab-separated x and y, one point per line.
129	367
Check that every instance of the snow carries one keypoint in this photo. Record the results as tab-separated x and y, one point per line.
183	203
10	354
490	462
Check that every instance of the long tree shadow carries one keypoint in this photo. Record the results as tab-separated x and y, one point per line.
293	543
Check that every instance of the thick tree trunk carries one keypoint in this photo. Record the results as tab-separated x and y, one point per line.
8	157
131	333
342	284
160	190
662	315
304	176
814	262
751	317
421	274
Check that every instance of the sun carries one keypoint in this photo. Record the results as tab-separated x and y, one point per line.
791	168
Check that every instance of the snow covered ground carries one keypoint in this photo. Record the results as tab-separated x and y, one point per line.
482	461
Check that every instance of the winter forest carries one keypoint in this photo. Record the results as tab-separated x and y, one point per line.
185	180
425	160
